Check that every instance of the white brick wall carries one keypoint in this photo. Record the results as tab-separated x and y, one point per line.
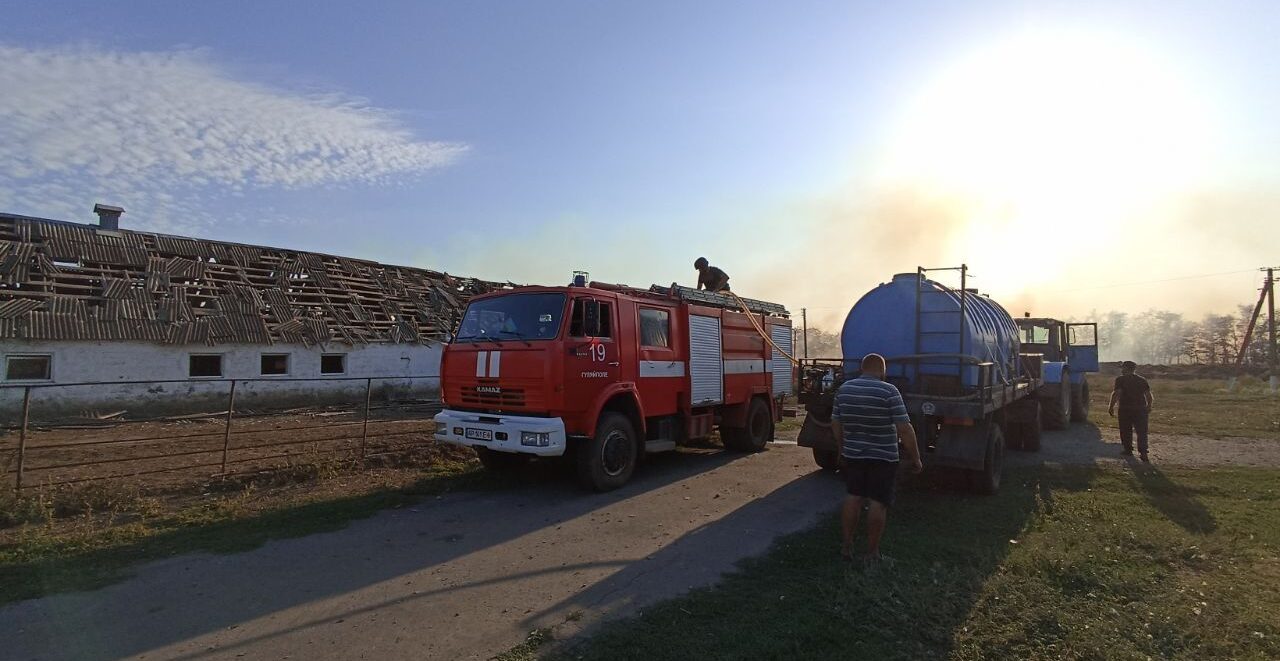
78	362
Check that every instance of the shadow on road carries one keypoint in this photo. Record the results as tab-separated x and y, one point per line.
184	597
693	558
803	601
1082	443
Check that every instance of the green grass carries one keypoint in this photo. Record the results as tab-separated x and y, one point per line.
37	560
1201	407
1076	562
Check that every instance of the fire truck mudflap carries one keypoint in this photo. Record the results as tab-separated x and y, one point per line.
543	437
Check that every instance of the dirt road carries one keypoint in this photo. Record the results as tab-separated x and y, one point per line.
461	576
468	575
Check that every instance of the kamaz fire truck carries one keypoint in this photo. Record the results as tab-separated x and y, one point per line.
602	374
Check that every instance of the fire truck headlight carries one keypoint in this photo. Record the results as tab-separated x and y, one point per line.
539	439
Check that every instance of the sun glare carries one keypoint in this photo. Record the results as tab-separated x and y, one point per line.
1051	134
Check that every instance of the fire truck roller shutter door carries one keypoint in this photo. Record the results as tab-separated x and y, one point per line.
706	366
780	365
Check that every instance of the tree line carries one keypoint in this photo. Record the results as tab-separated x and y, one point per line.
1160	337
1155	337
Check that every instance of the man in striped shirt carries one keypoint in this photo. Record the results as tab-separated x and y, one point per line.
869	417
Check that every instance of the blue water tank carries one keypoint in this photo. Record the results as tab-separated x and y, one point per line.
884	321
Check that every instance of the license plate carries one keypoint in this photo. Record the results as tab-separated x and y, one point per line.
480	434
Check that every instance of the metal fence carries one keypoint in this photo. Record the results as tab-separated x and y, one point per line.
355	417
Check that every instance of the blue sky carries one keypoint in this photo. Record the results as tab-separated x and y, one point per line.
523	140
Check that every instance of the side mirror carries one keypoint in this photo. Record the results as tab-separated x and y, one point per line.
591	318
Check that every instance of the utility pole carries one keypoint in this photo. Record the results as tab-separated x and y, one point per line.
1271	317
1271	328
804	321
1253	324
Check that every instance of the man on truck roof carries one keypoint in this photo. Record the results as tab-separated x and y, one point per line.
869	417
710	278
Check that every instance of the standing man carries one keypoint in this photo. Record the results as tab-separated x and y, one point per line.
869	418
1133	394
710	278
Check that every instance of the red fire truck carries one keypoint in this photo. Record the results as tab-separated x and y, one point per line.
602	374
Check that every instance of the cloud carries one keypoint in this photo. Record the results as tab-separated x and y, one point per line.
152	129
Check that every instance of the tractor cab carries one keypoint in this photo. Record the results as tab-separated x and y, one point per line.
1060	342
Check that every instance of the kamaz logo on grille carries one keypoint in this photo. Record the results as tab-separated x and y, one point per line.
488	390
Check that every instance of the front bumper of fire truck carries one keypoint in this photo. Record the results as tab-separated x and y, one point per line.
544	437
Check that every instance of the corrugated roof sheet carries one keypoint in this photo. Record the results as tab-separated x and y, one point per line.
126	285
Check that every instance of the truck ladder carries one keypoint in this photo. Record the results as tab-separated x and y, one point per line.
923	290
730	301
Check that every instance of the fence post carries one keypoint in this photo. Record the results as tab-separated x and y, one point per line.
364	429
226	434
22	437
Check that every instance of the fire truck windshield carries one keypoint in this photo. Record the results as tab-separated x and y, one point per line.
521	316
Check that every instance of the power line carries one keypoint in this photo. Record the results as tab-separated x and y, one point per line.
1151	282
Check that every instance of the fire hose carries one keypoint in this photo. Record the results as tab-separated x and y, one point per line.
759	329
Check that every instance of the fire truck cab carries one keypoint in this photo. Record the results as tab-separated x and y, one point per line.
602	374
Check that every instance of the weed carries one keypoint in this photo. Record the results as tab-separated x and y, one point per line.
528	650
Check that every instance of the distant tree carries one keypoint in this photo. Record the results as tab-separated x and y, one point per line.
1111	335
822	344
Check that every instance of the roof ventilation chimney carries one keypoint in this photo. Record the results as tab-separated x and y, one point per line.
108	216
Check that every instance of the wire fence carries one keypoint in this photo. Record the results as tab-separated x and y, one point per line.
238	425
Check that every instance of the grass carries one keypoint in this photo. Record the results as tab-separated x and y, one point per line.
1200	407
1074	563
109	534
789	425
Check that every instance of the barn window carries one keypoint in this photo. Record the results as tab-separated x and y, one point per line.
333	363
205	365
275	364
28	368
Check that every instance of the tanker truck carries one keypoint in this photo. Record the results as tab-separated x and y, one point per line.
974	381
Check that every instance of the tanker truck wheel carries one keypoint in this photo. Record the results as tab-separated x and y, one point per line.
1024	425
1080	402
757	433
606	461
987	480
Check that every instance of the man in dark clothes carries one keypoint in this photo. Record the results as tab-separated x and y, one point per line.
869	420
1133	394
710	278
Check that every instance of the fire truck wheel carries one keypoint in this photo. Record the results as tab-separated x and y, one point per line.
500	461
606	461
757	433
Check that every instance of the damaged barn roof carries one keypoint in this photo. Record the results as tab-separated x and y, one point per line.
68	281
